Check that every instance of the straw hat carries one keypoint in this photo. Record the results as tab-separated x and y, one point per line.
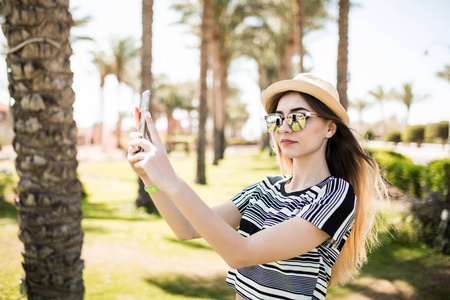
311	85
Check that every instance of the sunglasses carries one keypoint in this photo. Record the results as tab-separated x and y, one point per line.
295	120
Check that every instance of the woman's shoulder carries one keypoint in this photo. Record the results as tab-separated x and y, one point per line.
334	184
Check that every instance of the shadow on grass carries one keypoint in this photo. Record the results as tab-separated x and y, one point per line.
104	211
190	244
8	210
194	286
399	272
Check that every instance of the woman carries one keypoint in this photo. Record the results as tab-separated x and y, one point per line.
299	232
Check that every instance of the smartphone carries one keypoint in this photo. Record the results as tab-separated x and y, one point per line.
144	106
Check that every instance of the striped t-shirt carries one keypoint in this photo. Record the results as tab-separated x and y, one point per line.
330	205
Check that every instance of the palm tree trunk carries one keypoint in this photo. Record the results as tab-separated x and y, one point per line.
203	105
144	199
102	107
342	61
45	142
299	20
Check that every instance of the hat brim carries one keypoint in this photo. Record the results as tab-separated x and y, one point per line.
307	88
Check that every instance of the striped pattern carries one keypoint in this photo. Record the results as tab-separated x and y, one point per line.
330	205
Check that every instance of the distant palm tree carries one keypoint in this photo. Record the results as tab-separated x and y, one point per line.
381	96
49	203
125	54
171	97
407	97
203	105
104	65
342	61
360	105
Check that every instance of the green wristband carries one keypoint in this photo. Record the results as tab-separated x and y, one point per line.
151	190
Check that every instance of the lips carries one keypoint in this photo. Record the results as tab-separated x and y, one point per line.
287	142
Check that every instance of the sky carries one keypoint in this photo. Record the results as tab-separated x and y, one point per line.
388	40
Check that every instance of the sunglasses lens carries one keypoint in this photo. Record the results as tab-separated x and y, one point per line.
273	123
297	121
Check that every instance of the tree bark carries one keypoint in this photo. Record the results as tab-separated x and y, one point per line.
299	20
49	192
342	61
144	199
203	105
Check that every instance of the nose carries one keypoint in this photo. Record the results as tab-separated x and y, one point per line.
285	128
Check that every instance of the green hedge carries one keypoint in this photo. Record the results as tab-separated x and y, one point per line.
436	132
399	170
393	136
414	134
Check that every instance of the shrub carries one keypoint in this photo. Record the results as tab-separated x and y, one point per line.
369	135
431	230
399	170
436	132
436	178
393	136
427	216
414	134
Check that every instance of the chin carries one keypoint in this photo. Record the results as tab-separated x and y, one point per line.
289	153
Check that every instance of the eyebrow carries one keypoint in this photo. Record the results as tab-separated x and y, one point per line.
293	110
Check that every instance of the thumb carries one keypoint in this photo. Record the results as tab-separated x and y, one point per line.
154	135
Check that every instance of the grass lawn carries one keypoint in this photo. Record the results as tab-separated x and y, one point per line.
129	254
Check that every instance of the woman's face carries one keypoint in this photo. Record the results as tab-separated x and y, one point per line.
309	141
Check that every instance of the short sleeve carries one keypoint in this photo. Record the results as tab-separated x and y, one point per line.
334	210
242	199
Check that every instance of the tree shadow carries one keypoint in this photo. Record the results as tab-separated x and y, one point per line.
104	211
8	210
193	286
397	272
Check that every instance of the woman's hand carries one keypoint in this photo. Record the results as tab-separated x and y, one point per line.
149	159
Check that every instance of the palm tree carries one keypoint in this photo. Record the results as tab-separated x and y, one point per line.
171	97
360	105
125	53
381	96
49	203
408	98
299	25
146	50
342	61
104	67
224	21
203	105
143	199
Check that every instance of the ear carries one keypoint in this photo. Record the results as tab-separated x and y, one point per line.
332	128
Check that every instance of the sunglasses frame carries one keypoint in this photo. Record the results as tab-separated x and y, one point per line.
290	121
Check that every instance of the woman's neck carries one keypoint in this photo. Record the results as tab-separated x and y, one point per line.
307	172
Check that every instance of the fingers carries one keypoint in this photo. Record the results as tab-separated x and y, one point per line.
135	135
141	144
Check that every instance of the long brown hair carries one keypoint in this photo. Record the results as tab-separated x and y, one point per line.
346	159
